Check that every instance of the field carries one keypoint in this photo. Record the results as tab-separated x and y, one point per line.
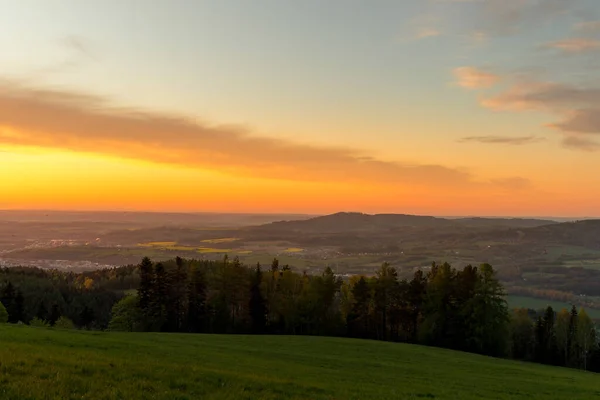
537	304
40	363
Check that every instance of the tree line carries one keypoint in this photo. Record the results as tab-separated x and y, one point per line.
462	309
444	307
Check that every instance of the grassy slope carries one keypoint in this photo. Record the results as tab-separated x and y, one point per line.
38	363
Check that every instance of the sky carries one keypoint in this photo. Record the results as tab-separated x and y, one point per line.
437	107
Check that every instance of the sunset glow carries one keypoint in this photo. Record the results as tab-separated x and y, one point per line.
404	107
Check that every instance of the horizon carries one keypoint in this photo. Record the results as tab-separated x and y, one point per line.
422	107
556	218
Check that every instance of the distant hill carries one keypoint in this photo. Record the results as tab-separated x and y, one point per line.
354	222
505	222
580	233
144	219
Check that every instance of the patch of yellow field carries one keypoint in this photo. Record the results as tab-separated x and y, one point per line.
293	250
220	240
157	244
244	252
212	250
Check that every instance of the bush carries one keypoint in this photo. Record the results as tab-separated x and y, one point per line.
38	322
126	315
64	323
3	314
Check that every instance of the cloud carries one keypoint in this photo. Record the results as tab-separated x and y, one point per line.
515	141
588	26
546	96
580	143
582	121
508	17
77	45
85	123
576	105
575	45
474	78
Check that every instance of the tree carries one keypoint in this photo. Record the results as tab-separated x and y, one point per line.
42	312
521	335
358	321
275	265
88	283
54	314
440	308
416	296
258	308
563	335
3	314
157	314
178	294
86	316
19	307
126	315
489	314
197	293
586	337
145	290
545	338
8	299
385	284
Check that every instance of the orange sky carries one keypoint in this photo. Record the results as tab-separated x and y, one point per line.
416	106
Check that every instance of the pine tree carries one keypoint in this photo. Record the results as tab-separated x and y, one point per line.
275	265
86	317
54	314
19	307
416	296
145	290
359	316
8	299
42	312
197	292
159	304
258	308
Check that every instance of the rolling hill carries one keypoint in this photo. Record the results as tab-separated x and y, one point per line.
359	222
40	363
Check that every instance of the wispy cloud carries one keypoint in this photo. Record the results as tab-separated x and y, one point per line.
578	142
508	17
545	96
587	26
475	78
84	123
582	121
507	140
576	106
78	45
575	45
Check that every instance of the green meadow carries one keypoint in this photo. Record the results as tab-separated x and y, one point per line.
43	363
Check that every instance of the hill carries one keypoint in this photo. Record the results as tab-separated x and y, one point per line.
347	222
53	364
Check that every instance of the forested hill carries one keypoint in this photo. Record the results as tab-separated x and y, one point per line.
346	222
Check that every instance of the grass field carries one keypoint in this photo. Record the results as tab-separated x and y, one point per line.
536	304
40	363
